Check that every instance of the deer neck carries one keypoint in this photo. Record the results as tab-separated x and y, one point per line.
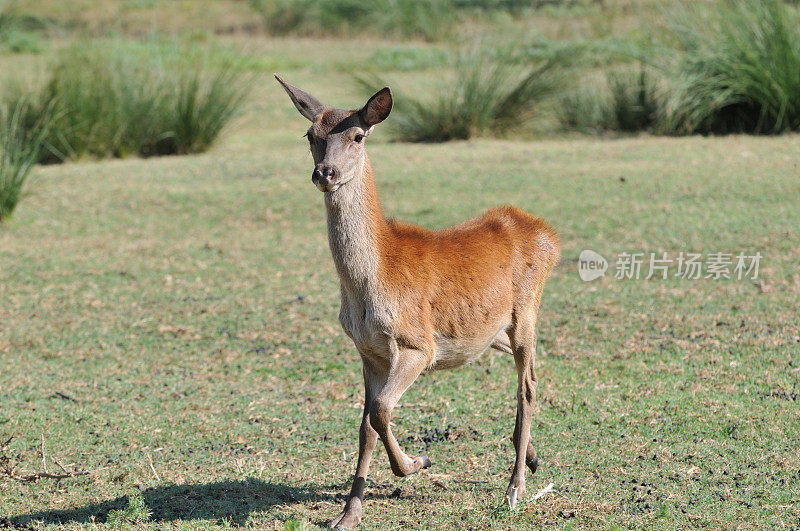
355	229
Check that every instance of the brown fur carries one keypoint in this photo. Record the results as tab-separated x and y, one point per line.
460	281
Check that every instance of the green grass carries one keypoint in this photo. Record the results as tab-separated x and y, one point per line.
188	306
408	58
18	34
429	19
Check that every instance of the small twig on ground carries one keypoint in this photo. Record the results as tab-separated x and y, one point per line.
65	396
150	461
33	478
44	457
7	468
548	488
559	493
61	466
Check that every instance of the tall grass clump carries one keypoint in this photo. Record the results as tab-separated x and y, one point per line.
201	110
634	100
737	68
20	146
428	19
586	108
623	99
493	92
117	99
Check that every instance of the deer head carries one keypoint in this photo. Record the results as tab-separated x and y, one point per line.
336	137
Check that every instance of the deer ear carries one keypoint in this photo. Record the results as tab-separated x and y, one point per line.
378	107
307	104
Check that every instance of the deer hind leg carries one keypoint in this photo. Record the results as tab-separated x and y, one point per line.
523	343
350	517
404	370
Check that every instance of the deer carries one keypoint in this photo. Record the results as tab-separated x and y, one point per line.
415	300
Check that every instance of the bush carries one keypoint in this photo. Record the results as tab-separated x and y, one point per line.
737	68
19	149
494	91
118	99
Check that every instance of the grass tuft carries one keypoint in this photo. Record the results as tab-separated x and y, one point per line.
586	108
738	68
19	150
116	99
134	514
494	91
204	105
634	104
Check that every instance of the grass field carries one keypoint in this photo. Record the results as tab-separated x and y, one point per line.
170	325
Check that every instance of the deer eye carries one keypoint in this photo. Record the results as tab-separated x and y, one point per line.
310	137
358	138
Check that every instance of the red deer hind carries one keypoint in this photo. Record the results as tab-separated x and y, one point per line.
417	300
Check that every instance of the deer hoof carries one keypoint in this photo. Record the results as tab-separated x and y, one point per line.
414	465
514	495
533	464
426	463
350	517
345	521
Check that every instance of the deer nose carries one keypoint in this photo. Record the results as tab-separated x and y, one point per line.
323	175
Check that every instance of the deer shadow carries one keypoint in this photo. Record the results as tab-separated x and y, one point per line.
233	501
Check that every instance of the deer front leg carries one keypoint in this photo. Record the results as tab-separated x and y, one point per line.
350	516
404	370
